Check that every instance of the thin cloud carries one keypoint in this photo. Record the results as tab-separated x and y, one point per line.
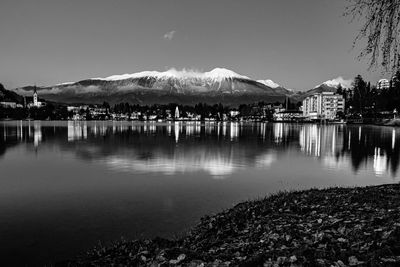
169	35
340	80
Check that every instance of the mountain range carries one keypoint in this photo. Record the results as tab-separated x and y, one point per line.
152	87
219	85
327	86
10	96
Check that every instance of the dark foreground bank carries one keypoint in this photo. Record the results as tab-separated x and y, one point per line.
337	226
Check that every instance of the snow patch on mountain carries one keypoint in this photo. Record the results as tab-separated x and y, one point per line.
335	83
221	73
216	74
269	83
65	83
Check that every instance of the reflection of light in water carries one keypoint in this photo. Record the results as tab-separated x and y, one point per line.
310	140
216	166
208	128
103	129
393	138
334	163
98	129
349	143
234	130
189	128
77	130
94	128
380	162
21	131
37	135
29	129
262	130
320	141
278	132
224	128
359	134
265	160
169	128
152	127
176	130
198	127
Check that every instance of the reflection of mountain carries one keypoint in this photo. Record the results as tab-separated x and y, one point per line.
216	148
171	148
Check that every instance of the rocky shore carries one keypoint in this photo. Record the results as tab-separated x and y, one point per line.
329	227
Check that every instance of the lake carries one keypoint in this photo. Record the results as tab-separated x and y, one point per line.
68	186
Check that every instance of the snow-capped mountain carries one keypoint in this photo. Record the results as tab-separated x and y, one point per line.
327	86
219	85
215	75
336	82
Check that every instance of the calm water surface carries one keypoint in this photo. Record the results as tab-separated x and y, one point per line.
66	186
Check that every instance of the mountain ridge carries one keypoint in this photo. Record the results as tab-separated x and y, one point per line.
219	85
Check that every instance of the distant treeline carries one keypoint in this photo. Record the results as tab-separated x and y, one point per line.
60	112
369	101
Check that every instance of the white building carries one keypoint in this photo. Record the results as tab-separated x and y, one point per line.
234	113
383	84
7	104
323	105
288	115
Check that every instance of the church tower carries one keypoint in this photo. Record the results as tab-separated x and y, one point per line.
35	97
176	112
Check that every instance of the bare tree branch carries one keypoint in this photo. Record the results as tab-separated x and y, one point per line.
381	30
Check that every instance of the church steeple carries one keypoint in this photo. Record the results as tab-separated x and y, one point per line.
176	112
35	97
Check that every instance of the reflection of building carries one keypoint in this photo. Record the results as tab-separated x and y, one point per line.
325	105
77	130
177	130
380	161
282	132
278	132
316	140
234	130
37	134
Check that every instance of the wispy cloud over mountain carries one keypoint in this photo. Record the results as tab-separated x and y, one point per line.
346	83
169	35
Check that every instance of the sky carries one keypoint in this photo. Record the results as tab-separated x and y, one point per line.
298	44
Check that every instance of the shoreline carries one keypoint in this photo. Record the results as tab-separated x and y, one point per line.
356	226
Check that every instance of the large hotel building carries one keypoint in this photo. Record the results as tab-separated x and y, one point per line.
323	105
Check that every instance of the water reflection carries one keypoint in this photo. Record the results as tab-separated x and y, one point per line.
219	149
78	130
321	141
